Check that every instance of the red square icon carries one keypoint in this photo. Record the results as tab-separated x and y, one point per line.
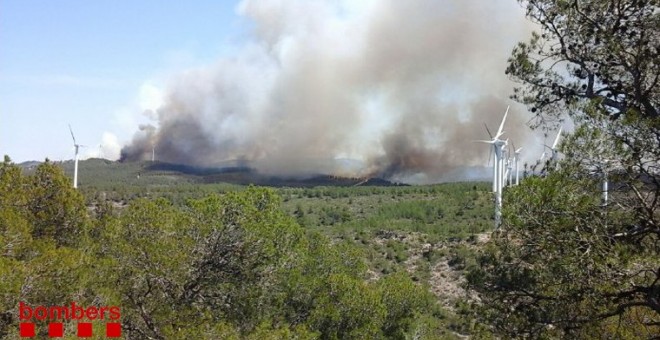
26	329
113	330
55	330
84	330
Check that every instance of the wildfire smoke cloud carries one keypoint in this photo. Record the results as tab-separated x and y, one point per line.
401	86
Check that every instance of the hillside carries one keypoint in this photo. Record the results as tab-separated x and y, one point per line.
430	233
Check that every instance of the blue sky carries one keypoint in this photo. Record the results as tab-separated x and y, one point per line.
93	63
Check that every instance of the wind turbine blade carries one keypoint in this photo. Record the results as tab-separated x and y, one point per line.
484	141
489	134
554	145
72	136
490	155
500	130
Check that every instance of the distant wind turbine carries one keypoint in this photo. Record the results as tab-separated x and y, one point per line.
554	145
516	162
75	166
542	155
498	166
606	164
508	172
553	149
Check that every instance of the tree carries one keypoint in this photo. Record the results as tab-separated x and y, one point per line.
15	239
41	220
57	210
556	269
602	51
566	263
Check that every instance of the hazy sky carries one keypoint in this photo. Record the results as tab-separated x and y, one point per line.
94	64
99	65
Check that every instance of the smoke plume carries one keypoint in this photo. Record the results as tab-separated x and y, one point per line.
400	87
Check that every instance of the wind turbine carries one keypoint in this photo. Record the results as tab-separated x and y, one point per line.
504	165
516	160
553	148
508	173
606	164
505	162
498	166
490	155
543	154
554	145
75	166
605	188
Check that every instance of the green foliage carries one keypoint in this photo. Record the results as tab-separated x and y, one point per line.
589	51
230	265
348	308
569	263
557	268
57	210
40	218
404	301
418	211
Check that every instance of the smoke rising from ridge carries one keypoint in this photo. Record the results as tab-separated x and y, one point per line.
402	86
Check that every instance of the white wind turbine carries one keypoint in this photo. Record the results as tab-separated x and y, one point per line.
542	154
498	166
554	145
504	161
605	189
505	167
606	165
508	172
553	148
75	165
516	162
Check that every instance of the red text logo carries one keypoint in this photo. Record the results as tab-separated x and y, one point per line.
55	315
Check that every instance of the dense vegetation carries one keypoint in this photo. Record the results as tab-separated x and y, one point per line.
568	263
231	265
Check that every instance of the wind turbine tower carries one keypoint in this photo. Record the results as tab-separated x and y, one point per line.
605	189
499	146
554	146
75	165
516	162
509	168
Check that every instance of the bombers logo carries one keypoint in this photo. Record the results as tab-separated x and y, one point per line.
54	315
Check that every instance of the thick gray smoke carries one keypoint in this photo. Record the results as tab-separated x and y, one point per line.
403	87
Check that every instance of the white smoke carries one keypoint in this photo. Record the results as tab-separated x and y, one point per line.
402	86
